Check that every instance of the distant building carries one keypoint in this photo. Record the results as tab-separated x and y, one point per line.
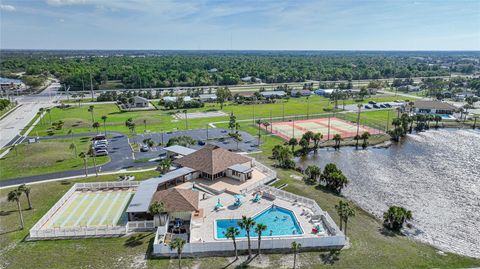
249	79
208	97
167	99
409	88
275	94
139	101
298	93
324	92
433	107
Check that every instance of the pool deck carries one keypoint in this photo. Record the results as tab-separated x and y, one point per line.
203	230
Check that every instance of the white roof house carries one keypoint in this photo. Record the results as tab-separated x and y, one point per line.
207	97
273	94
180	150
174	98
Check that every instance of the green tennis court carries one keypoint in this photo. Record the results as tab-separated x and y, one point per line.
100	208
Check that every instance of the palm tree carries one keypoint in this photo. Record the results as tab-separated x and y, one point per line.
337	138
344	211
232	233
316	140
25	189
70	132
365	136
14	196
165	165
156	209
437	118
74	148
293	142
295	247
49	116
84	157
178	244
96	125
247	224
104	118
313	172
395	217
91	152
90	109
259	229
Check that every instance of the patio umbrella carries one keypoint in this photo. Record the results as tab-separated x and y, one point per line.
218	204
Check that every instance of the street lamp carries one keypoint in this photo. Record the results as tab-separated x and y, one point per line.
358	123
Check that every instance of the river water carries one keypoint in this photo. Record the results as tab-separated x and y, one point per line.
435	174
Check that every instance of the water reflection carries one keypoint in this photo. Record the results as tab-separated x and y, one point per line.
436	174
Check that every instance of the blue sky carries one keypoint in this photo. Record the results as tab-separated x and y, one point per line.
237	24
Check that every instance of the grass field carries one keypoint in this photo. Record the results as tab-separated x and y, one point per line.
80	120
87	209
45	157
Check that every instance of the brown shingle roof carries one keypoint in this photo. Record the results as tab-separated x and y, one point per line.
434	105
211	159
177	200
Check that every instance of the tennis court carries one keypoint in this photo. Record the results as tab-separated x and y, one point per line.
327	126
92	209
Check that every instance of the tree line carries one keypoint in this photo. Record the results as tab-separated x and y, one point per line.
195	69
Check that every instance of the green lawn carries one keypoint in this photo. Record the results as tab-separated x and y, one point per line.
80	120
45	157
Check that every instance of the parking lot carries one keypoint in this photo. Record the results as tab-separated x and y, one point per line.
215	136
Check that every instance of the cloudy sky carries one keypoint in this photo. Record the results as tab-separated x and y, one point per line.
239	24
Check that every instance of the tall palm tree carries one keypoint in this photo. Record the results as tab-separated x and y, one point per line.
70	132
344	211
395	217
104	118
74	148
295	247
293	142
165	165
25	189
144	125
156	209
90	109
365	136
259	229
247	224
14	196
84	157
178	244
186	119
96	125
232	233
316	140
91	152
337	138
49	115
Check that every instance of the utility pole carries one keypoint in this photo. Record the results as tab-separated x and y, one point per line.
91	86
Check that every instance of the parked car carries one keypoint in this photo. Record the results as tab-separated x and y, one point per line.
144	148
376	106
101	152
100	142
100	146
372	102
383	106
201	143
99	137
368	107
388	105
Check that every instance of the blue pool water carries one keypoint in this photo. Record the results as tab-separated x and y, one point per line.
279	222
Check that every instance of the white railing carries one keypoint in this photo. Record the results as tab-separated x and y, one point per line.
143	225
270	175
37	231
308	203
78	232
267	243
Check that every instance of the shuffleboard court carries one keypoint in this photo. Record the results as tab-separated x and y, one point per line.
325	126
92	209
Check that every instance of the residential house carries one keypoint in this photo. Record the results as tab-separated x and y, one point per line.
298	93
208	97
433	107
273	94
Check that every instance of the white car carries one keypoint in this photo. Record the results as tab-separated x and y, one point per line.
98	142
101	152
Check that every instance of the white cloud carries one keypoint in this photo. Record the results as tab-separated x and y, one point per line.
8	8
65	2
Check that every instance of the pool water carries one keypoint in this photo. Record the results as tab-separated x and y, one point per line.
279	222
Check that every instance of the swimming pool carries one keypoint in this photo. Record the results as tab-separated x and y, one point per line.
279	221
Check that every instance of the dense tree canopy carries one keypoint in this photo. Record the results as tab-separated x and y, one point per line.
195	69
